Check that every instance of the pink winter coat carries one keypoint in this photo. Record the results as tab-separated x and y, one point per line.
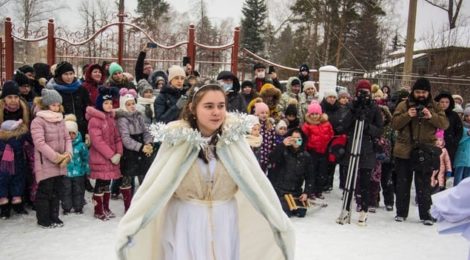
438	176
105	142
50	138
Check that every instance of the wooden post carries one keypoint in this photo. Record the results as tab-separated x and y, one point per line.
9	50
236	43
121	16
410	41
191	51
51	44
1	61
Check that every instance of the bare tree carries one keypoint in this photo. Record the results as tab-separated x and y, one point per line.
448	6
34	11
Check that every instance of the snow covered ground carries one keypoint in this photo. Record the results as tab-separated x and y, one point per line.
318	237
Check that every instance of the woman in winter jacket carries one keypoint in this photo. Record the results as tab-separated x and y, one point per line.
105	151
75	97
94	78
171	100
137	143
117	78
52	152
462	160
319	133
248	93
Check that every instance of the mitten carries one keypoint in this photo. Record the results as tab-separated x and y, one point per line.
181	101
115	159
59	158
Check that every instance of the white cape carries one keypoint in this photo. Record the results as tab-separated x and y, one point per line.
265	230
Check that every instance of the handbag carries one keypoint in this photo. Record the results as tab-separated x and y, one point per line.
423	157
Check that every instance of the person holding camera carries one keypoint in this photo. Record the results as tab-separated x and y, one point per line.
172	98
292	166
416	121
363	108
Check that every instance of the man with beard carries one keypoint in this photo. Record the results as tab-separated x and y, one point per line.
415	119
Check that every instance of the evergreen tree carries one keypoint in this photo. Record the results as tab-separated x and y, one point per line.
151	13
253	25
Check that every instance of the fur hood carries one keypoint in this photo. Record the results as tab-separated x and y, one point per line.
310	120
24	107
388	115
123	113
289	84
18	132
268	90
93	112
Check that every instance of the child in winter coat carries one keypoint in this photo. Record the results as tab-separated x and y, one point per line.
267	132
319	132
255	139
73	195
105	151
137	142
145	102
445	168
52	152
292	117
462	160
281	130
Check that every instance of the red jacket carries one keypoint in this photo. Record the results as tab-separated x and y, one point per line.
319	133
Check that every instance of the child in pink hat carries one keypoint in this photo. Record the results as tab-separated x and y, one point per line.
267	132
438	178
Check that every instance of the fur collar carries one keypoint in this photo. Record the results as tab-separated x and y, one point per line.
234	128
24	106
323	118
93	112
18	132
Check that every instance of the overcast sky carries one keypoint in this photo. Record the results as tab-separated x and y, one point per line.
428	17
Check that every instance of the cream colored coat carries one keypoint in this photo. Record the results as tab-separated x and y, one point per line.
265	231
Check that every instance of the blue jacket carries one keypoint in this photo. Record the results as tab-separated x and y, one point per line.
78	166
461	156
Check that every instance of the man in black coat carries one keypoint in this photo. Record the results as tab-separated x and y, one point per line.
292	166
260	78
231	86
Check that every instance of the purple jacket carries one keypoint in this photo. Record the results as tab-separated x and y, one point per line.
132	123
105	142
51	138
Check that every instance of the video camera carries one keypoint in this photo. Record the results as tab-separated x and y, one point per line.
363	98
419	110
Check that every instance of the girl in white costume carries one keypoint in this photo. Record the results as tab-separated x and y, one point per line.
205	196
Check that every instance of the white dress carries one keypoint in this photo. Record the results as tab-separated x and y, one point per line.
201	221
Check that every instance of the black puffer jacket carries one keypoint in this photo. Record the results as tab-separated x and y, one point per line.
373	128
165	104
290	169
336	116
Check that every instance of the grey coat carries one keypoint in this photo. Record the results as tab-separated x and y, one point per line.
132	123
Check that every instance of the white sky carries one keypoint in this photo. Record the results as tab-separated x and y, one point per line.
428	17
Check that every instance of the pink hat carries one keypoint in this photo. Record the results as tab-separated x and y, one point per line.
261	107
314	108
439	134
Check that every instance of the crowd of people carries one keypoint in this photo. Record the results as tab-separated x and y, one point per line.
58	132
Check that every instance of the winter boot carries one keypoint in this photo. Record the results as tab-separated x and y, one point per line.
42	213
127	197
19	208
107	211
5	211
99	211
88	186
362	218
54	212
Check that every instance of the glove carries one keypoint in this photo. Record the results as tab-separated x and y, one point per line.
65	161
87	140
115	159
60	157
181	101
147	150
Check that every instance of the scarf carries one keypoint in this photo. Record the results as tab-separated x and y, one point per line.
466	124
147	103
50	116
67	88
254	141
7	164
13	108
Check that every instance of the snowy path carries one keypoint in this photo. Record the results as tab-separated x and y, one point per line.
318	237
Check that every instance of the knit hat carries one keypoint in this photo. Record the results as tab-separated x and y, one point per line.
439	133
467	111
304	67
50	96
291	110
295	82
71	123
330	93
259	66
10	88
21	78
104	94
309	84
363	84
126	95
113	68
143	85
63	67
281	123
174	71
26	69
422	84
10	125
343	93
261	107
458	108
247	84
252	120
455	97
314	108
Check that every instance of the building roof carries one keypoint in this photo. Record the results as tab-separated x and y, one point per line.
396	62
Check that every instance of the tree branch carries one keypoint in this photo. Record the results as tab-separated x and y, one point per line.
436	5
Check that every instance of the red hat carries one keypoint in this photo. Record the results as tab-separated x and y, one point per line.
363	84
